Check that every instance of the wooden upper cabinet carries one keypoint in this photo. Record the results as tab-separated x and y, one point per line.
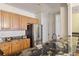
5	20
0	20
33	21
24	22
15	21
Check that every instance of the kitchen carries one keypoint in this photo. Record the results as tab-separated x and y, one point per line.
30	26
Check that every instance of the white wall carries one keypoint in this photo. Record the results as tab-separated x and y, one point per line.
75	22
47	19
70	27
58	25
44	22
64	22
51	25
43	18
75	28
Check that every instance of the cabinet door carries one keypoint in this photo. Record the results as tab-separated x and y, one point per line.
20	21
25	45
24	22
33	21
28	43
15	22
6	48
0	20
5	20
15	47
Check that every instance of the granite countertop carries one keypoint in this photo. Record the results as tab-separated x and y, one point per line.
12	39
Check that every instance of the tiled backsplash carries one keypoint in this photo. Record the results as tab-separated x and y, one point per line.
12	33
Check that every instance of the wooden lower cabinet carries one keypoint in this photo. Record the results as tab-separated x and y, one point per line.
15	46
28	43
21	44
6	48
25	44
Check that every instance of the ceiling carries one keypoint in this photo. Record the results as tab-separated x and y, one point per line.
36	7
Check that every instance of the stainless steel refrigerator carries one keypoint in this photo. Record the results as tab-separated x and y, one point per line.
34	32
